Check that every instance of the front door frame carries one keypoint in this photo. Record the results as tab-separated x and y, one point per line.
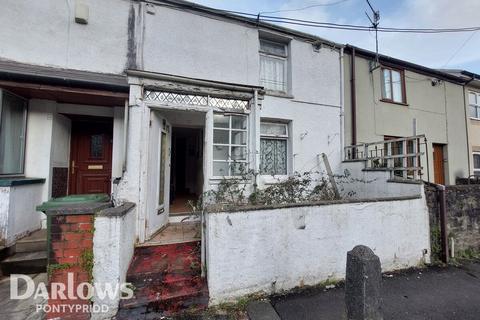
74	151
439	164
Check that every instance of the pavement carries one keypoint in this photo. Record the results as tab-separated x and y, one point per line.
21	309
440	293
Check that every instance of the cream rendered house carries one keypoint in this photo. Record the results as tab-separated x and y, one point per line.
392	99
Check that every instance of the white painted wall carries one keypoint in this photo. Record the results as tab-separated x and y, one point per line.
118	137
45	33
38	150
355	183
17	216
203	48
279	249
113	246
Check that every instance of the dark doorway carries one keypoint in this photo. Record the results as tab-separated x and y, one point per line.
91	155
186	182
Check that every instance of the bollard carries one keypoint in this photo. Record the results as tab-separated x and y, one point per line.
362	285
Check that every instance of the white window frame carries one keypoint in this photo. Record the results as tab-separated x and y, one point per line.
284	137
24	133
230	145
475	170
276	56
475	105
403	89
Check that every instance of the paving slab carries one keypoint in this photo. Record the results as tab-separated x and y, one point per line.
20	309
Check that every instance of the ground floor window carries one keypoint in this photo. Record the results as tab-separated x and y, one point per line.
273	148
230	132
476	163
13	118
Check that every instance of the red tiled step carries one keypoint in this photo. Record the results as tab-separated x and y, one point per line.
167	280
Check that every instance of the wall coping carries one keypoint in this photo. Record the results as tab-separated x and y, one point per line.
309	204
12	182
114	212
75	209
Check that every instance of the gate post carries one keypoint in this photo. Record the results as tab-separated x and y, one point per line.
363	284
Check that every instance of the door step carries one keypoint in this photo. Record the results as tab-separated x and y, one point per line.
167	282
37	241
182	232
25	263
28	255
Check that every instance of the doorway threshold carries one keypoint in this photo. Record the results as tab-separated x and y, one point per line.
172	233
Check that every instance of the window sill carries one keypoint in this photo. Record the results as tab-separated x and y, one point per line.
475	119
19	181
269	179
393	102
278	94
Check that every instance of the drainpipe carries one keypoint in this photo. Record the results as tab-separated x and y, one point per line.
342	103
443	220
467	126
354	98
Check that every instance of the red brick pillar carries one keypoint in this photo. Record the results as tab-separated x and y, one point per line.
70	263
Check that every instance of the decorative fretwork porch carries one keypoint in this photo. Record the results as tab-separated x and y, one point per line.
400	156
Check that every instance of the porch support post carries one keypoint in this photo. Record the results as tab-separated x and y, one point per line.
208	150
132	188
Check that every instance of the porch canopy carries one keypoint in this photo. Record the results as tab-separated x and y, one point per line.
63	85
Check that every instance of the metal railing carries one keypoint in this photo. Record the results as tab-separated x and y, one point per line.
402	156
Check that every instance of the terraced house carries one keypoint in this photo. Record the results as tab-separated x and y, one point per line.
134	115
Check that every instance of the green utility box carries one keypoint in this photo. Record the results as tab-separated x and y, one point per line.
73	199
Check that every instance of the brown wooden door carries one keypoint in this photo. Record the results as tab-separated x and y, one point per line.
438	164
91	157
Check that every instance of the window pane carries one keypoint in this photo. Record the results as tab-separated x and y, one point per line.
272	73
473	112
96	146
220	136
472	98
239	168
386	89
273	48
220	169
476	161
239	122
239	153
220	153
276	129
12	135
397	86
273	156
220	121
239	137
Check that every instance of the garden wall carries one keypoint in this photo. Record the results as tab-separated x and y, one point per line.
275	249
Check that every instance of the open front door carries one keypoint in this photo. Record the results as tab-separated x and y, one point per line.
159	190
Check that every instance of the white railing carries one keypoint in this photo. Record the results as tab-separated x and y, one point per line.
402	156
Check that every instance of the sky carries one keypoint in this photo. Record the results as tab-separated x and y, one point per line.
450	51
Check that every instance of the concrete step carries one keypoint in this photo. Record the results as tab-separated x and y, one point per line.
37	241
25	263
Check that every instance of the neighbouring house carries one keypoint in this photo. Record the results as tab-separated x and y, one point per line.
472	105
390	99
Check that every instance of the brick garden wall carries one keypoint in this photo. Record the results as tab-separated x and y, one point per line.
70	254
463	213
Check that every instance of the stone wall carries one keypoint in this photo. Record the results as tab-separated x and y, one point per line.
463	213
